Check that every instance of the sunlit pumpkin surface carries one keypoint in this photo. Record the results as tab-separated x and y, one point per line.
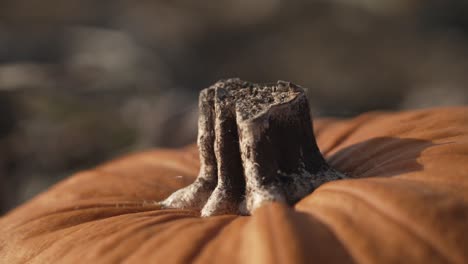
407	203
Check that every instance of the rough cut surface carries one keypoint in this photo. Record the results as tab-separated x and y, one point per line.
408	203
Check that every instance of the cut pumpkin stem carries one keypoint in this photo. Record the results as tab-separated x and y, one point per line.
256	145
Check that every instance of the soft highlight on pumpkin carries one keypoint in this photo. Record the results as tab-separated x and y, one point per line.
407	202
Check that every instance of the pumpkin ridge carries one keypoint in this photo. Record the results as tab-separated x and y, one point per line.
277	233
274	237
398	158
202	245
40	218
349	131
132	231
423	236
45	247
229	239
51	245
251	233
167	237
74	209
278	256
310	218
380	146
432	181
408	118
58	227
441	134
381	170
358	160
172	228
156	213
80	228
326	211
323	124
439	180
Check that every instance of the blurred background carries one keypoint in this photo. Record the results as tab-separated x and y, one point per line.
82	81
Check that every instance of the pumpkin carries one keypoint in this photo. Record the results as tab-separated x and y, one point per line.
406	202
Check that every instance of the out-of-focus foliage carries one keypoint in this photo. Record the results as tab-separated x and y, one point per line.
82	81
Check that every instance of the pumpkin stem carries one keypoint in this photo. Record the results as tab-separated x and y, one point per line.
256	145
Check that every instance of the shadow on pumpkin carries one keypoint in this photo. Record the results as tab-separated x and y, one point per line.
311	232
380	157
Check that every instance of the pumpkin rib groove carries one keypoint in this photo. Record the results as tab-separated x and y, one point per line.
44	248
392	162
174	235
345	238
97	236
381	148
157	213
406	128
407	225
432	180
446	134
360	159
322	125
209	235
350	129
258	242
285	219
284	235
77	229
445	154
327	221
395	120
129	232
380	170
40	251
339	249
278	253
114	241
408	181
165	233
212	236
70	210
74	229
110	219
42	218
227	241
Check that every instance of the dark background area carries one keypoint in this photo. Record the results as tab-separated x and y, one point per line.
84	81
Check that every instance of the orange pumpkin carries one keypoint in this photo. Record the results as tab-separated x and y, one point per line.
407	203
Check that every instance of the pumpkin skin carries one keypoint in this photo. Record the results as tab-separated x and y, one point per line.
407	203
